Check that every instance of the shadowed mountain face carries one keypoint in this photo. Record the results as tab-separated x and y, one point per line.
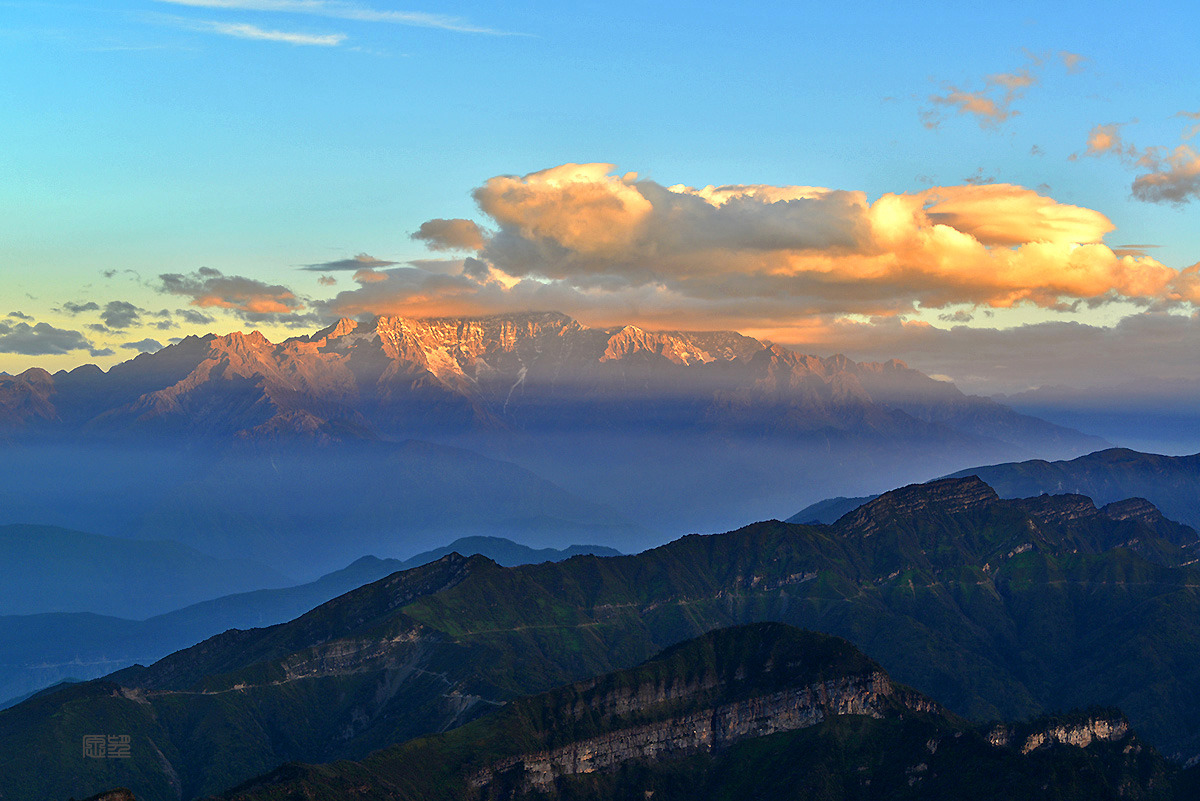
677	431
995	608
1172	483
760	711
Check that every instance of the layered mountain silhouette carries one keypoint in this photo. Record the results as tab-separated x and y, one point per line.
996	609
39	650
50	569
1172	483
759	711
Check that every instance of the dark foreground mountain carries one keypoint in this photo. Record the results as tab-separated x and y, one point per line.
759	711
681	431
997	609
37	651
1172	483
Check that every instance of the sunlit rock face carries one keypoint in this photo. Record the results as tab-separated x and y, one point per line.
398	376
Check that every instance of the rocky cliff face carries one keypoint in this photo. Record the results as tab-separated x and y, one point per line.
1079	733
705	730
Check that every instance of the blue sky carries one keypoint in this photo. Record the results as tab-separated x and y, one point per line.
250	138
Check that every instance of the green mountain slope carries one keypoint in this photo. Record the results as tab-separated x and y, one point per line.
997	609
39	650
759	711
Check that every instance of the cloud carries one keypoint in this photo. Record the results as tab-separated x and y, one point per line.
195	317
615	248
242	30
144	346
369	277
1169	177
19	315
454	234
991	105
250	299
1004	214
1174	179
327	280
79	308
1073	61
1106	140
989	360
347	11
359	262
41	339
119	314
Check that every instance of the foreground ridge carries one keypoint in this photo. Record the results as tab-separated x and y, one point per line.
696	720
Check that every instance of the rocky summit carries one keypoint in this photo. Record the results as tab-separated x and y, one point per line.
396	376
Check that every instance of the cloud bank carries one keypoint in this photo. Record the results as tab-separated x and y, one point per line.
588	241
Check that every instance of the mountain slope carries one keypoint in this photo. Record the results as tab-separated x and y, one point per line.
1172	483
37	651
996	608
753	711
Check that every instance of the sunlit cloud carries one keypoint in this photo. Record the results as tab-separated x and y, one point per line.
990	106
346	11
607	247
454	234
1169	175
248	298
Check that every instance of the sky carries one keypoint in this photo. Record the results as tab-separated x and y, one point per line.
1004	195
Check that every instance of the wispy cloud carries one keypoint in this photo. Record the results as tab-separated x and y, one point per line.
359	262
347	11
242	30
990	105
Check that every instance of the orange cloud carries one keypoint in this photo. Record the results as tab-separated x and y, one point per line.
611	247
1004	214
248	298
454	234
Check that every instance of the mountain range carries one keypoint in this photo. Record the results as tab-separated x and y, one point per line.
1171	483
996	609
403	377
642	435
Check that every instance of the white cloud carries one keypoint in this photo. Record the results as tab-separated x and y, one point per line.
241	30
346	11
